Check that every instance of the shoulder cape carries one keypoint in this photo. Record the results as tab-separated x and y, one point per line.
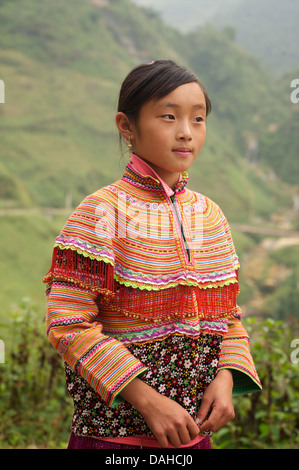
125	243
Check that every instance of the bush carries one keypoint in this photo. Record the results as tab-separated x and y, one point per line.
34	405
267	419
36	409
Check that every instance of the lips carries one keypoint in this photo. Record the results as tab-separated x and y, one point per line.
184	151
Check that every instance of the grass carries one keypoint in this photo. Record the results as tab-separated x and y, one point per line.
58	137
28	243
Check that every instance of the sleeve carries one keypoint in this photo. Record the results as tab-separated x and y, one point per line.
235	352
235	355
74	329
82	272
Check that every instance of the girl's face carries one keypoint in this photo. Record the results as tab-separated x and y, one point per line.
171	131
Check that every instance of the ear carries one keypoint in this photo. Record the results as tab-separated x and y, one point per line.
124	126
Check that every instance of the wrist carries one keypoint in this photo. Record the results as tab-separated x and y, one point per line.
139	394
226	375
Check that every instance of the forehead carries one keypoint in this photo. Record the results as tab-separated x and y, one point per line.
189	95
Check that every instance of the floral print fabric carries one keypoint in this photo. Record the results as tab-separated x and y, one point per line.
179	367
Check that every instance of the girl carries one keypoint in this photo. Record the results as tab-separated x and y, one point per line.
143	285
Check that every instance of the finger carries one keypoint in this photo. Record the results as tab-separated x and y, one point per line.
203	411
189	433
174	439
185	437
184	433
193	430
162	439
219	417
213	423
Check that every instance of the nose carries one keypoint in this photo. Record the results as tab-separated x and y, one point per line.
184	131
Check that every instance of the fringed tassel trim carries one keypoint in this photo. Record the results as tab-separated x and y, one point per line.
182	301
177	302
70	266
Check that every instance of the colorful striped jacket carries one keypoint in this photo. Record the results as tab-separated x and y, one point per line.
144	283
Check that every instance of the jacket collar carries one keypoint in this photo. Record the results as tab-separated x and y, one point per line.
141	174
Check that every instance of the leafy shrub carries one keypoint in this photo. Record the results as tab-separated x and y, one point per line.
34	405
268	419
36	410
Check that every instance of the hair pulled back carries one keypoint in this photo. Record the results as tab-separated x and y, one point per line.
152	82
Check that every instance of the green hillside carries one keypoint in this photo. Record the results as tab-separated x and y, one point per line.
62	79
62	62
280	144
189	14
62	67
57	126
267	28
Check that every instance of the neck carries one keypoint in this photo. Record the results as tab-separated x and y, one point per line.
155	179
169	178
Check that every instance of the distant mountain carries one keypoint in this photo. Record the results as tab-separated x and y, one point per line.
266	28
62	64
188	14
62	79
57	125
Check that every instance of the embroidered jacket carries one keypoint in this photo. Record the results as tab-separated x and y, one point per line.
144	283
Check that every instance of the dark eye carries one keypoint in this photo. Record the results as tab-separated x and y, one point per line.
168	116
199	119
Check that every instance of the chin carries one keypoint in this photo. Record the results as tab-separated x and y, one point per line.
183	167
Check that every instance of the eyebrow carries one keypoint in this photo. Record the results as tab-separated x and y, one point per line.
174	105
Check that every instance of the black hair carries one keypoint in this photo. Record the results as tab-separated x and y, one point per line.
154	81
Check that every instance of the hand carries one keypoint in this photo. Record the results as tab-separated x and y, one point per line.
169	422
217	398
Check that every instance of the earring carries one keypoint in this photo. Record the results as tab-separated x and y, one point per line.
130	145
